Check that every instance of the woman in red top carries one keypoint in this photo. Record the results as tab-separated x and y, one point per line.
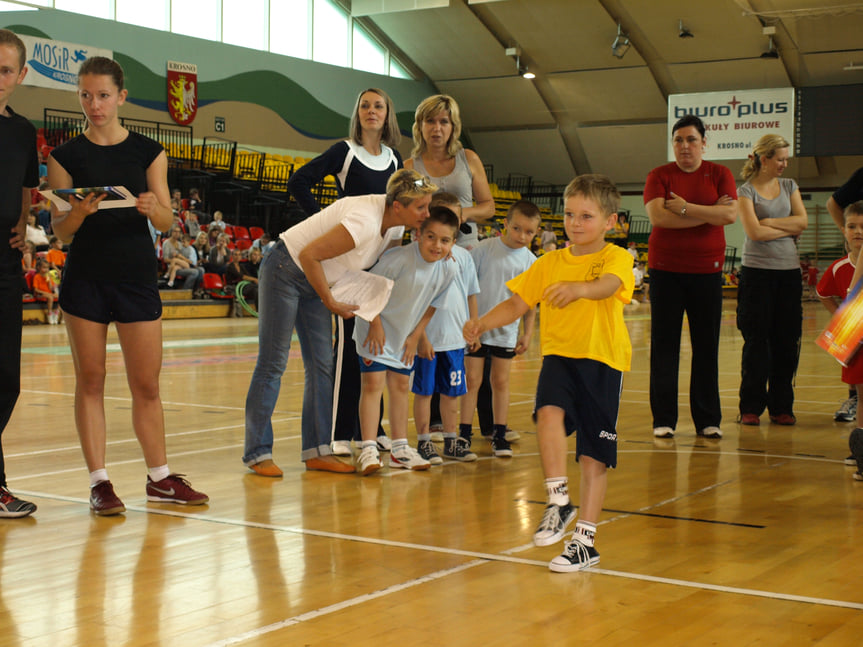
689	202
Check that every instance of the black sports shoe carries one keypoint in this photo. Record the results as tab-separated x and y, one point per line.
458	449
552	528
12	507
427	450
500	447
575	556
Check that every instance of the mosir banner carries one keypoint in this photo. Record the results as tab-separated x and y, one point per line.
54	64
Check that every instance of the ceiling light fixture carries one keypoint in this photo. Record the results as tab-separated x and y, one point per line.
621	43
521	70
771	50
683	32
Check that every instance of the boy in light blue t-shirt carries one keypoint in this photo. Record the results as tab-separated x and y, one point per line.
422	275
444	373
497	261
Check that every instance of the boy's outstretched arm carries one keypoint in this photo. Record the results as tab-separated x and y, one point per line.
503	313
562	293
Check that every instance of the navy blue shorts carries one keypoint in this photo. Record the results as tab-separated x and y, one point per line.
371	366
589	394
493	351
104	302
444	374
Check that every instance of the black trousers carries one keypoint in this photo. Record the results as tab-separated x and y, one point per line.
770	318
11	312
699	296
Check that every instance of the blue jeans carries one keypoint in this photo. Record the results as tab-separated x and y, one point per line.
286	300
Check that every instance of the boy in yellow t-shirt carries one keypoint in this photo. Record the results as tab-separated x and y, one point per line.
581	291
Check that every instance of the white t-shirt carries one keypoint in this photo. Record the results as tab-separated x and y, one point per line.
362	216
418	284
445	329
496	263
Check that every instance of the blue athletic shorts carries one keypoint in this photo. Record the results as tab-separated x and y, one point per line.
589	394
104	301
444	374
371	366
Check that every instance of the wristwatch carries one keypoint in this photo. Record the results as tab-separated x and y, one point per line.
683	212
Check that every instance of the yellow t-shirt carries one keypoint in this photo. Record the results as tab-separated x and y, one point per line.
585	328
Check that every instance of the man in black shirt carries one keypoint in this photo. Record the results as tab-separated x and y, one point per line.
19	172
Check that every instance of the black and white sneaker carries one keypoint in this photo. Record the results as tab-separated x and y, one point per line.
426	450
12	507
847	411
575	556
458	449
500	447
552	528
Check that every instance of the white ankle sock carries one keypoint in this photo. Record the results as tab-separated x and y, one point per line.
585	532
97	476
158	473
557	490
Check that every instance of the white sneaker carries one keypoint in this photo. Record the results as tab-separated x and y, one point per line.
710	432
663	432
436	433
384	443
342	447
369	460
408	458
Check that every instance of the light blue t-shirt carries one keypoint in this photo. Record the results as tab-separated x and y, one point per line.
496	264
445	329
418	284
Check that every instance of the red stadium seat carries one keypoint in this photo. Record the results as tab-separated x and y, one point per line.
255	232
243	244
215	286
241	233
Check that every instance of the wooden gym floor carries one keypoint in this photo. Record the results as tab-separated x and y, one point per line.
752	540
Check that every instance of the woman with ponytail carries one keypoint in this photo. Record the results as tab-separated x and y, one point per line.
769	312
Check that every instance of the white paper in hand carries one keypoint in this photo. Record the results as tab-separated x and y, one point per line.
368	291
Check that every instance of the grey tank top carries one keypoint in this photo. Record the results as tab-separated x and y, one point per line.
460	184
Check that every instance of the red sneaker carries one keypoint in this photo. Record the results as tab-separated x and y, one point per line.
174	489
103	501
786	419
749	419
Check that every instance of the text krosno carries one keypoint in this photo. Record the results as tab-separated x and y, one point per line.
728	110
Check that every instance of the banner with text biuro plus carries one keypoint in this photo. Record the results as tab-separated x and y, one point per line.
735	119
54	64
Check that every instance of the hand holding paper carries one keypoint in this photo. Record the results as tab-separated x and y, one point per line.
369	291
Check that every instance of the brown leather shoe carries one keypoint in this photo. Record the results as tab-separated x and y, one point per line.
329	464
103	501
266	468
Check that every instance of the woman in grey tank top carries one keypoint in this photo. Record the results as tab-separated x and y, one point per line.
438	154
769	312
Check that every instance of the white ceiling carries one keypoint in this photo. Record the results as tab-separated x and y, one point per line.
588	111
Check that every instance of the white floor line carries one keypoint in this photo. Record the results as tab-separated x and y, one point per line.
346	604
478	557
